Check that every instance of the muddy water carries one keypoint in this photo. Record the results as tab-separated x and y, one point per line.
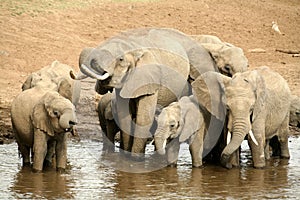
91	175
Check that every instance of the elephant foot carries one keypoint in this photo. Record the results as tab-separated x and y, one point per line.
60	170
198	166
259	167
36	170
225	161
285	157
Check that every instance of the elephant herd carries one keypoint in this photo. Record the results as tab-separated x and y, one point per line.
164	85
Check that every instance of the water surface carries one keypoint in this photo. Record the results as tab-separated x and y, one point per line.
91	175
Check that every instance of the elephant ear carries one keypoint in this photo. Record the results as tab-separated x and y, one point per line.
31	81
209	91
40	118
64	88
259	87
191	121
144	80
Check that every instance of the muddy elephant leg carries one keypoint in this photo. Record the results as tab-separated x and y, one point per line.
39	149
258	151
172	152
61	152
145	112
196	148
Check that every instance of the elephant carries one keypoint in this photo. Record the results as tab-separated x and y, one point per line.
41	119
141	65
295	111
50	76
181	121
257	102
229	58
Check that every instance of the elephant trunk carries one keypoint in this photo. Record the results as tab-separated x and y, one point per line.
240	130
160	144
67	120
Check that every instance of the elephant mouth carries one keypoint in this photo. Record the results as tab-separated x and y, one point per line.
106	83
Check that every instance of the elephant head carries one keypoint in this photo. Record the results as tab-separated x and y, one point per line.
229	59
180	119
242	96
295	111
54	114
127	69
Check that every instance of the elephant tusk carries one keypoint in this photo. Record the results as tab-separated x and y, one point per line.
92	74
164	144
152	141
228	137
252	137
79	77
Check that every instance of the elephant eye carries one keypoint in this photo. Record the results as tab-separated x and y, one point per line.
174	125
227	68
56	113
121	58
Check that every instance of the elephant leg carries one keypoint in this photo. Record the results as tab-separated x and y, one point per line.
196	148
234	159
25	152
258	151
145	112
50	153
275	145
173	152
61	152
123	120
283	133
39	149
109	138
267	150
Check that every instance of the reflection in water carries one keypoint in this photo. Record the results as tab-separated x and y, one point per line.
91	175
41	185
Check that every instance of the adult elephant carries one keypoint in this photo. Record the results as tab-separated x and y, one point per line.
258	103
146	67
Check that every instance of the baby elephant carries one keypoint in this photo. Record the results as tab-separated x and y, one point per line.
40	120
180	122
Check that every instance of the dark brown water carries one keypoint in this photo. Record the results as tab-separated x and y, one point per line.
92	176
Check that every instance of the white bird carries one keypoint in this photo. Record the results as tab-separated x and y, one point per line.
276	28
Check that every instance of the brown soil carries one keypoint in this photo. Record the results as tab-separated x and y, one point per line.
35	33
